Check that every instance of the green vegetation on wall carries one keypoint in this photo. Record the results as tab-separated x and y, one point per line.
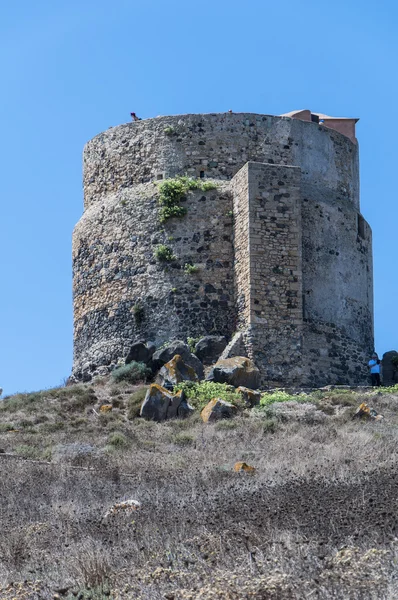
164	253
171	192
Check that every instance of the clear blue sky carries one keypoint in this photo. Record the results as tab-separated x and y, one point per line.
71	69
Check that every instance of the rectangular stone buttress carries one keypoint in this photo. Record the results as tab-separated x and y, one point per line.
268	268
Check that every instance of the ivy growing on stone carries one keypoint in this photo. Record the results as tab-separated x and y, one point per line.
171	192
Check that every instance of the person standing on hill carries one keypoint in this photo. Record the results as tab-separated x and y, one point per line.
374	368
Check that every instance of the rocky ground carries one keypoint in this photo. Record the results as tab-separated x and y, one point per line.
317	518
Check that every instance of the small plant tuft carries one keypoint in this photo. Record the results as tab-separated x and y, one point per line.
226	425
168	130
118	440
171	192
189	269
183	439
135	371
164	253
192	341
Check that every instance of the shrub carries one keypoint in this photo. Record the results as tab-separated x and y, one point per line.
83	397
118	440
226	425
183	439
326	408
135	371
6	427
279	396
53	427
26	451
164	253
169	130
393	389
21	402
343	398
201	393
94	569
270	425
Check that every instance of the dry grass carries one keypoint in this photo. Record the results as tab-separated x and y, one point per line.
322	481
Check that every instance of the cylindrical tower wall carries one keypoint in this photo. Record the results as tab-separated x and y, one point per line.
123	293
217	146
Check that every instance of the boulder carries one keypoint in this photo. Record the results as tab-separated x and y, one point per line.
159	404
209	348
165	354
242	466
217	409
184	410
125	507
156	403
174	405
141	352
235	347
237	371
366	412
175	371
250	397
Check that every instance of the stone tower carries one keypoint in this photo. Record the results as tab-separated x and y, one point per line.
279	247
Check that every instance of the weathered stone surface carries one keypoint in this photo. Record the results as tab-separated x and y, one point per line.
160	404
209	348
174	405
185	410
217	409
156	403
237	371
389	371
141	352
165	354
249	397
235	347
175	371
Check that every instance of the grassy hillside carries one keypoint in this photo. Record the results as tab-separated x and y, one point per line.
317	518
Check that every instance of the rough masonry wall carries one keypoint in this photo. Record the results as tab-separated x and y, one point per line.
116	273
216	146
268	267
337	293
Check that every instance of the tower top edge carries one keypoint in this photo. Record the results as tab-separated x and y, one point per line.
168	120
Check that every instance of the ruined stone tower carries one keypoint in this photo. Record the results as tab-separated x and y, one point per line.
279	248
